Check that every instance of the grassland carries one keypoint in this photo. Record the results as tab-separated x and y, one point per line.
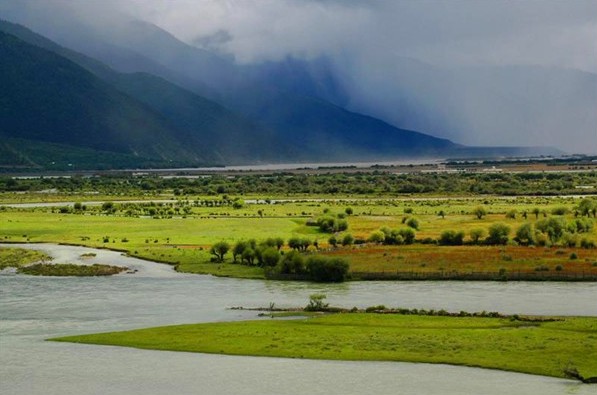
17	257
543	348
181	233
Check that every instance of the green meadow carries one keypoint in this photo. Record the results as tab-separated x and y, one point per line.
181	233
543	348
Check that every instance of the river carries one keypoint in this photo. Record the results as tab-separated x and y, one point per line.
33	309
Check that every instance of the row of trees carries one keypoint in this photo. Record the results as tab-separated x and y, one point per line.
350	182
268	255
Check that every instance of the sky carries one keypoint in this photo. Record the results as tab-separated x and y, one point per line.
540	32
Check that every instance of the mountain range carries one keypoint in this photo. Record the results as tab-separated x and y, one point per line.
142	98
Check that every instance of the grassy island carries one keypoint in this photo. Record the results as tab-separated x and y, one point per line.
543	347
17	257
69	269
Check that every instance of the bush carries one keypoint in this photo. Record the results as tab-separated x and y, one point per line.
412	223
323	269
269	257
476	235
498	234
561	210
316	303
291	263
525	234
479	212
347	240
451	238
377	237
573	256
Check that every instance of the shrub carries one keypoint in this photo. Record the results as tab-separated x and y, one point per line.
316	302
479	212
412	223
270	257
220	249
451	238
291	263
498	234
476	235
511	214
377	237
525	234
573	256
561	210
347	240
323	269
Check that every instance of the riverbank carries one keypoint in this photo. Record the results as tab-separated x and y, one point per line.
548	348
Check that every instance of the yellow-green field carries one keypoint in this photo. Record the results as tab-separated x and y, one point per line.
183	238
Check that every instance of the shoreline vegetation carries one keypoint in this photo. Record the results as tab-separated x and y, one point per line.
487	340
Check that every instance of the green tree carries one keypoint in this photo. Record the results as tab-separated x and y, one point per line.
413	223
525	234
270	257
498	234
480	212
347	240
476	235
377	237
219	250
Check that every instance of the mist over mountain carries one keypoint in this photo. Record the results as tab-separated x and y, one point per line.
481	81
138	119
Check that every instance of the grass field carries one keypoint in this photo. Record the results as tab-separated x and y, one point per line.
544	348
184	239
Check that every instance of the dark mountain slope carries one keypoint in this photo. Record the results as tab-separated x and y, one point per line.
48	98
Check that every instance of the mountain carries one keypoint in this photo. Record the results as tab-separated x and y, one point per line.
136	115
290	127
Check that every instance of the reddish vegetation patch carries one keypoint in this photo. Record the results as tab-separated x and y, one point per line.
469	259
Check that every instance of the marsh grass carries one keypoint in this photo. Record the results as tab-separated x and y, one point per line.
16	257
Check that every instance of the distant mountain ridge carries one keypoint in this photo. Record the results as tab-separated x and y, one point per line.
139	119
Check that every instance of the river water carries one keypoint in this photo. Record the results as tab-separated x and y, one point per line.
33	309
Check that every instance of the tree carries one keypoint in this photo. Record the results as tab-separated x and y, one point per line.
442	214
480	212
377	237
323	269
248	256
270	257
347	240
333	241
316	302
219	250
413	223
238	249
553	227
498	234
408	235
451	238
291	263
588	207
525	234
511	214
348	211
476	235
